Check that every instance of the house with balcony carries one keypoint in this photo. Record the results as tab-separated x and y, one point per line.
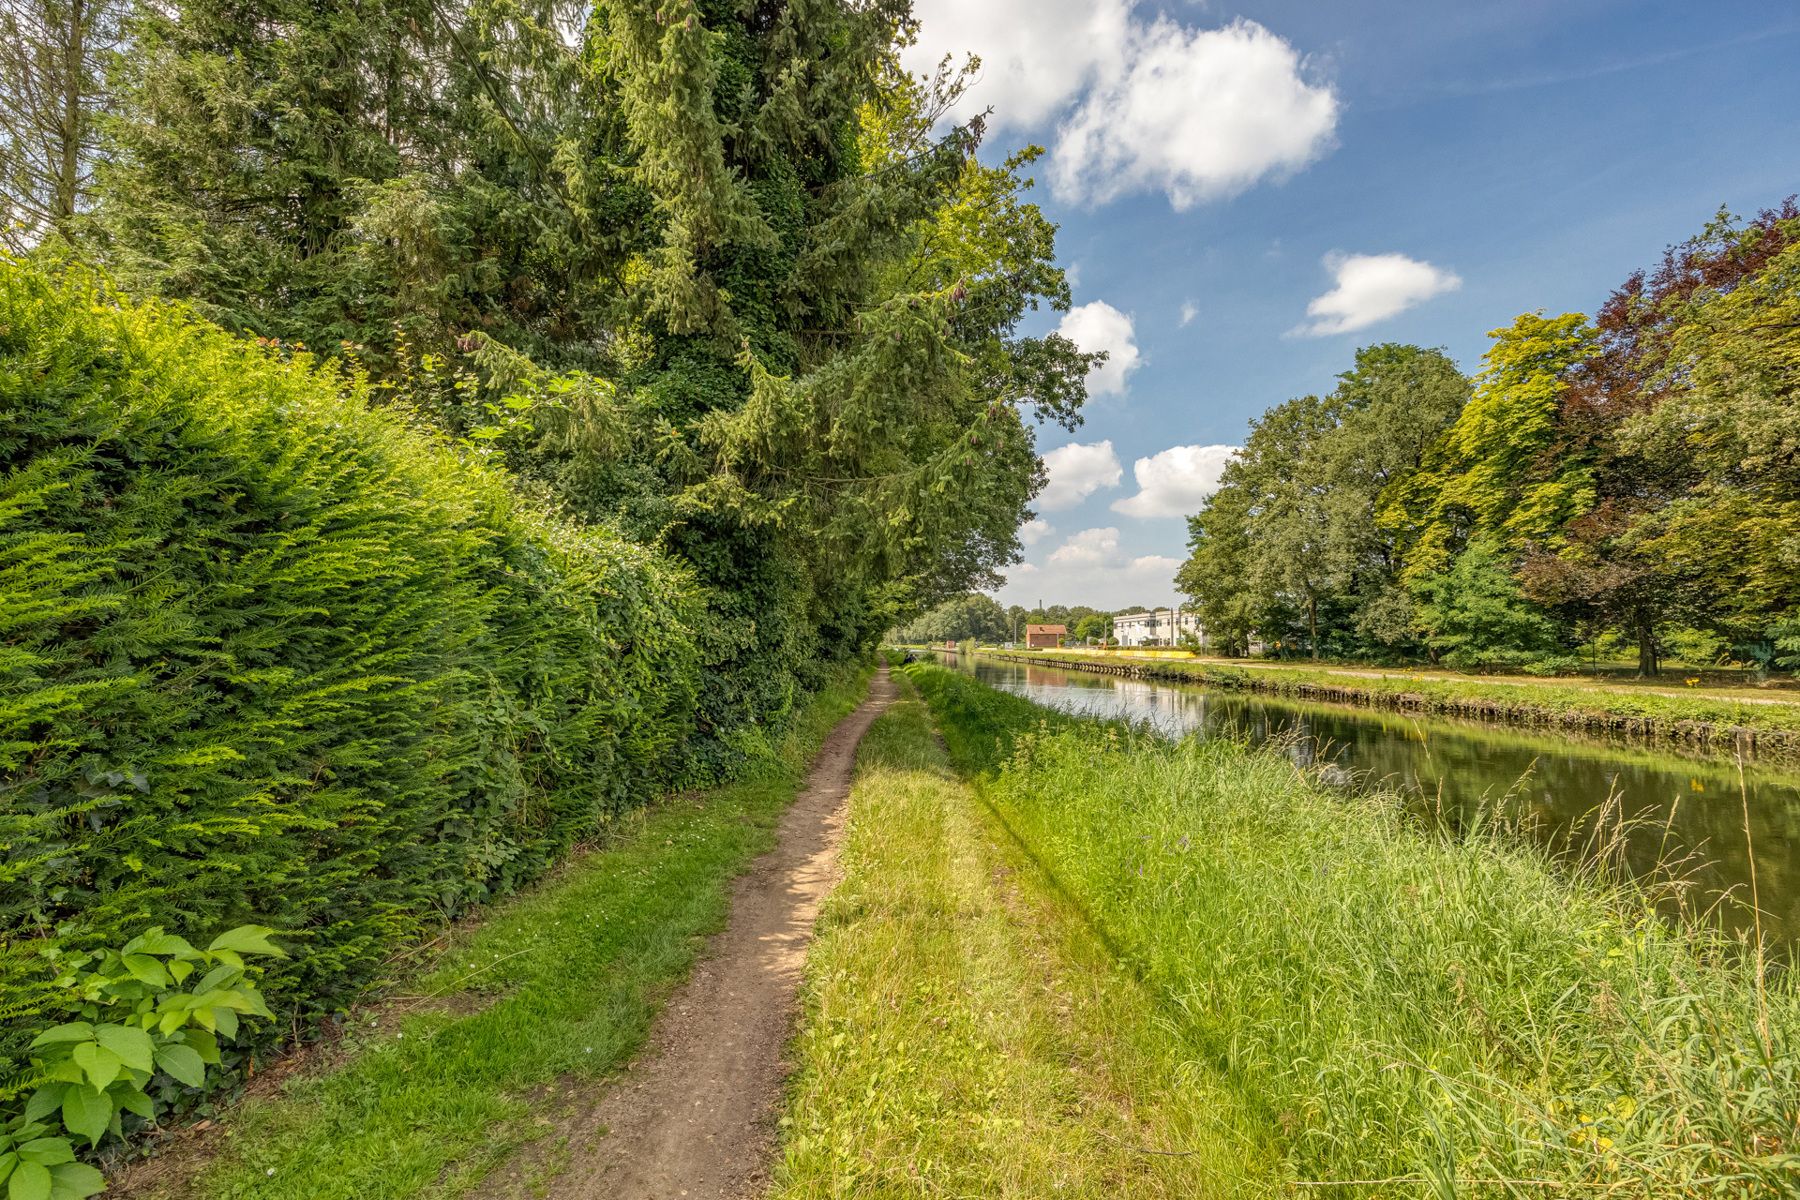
1161	627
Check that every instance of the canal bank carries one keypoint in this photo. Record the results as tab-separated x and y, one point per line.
1707	831
1769	728
1402	1012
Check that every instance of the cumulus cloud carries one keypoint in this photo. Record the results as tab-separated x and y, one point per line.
1100	326
1142	104
1090	546
1036	55
1371	288
1090	568
1076	472
1176	481
1034	531
1199	114
1189	310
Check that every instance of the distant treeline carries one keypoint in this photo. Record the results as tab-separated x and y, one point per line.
983	619
1625	482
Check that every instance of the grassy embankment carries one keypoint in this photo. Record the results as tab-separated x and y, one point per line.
1426	1015
1767	722
555	986
966	1035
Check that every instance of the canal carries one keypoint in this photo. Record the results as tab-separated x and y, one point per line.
1674	805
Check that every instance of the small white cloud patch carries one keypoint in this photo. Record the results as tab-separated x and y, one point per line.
1176	481
1100	326
1076	472
1034	531
1189	310
1371	288
1090	546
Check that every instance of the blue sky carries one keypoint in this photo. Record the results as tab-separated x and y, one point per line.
1429	169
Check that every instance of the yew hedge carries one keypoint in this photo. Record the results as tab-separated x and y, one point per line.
267	652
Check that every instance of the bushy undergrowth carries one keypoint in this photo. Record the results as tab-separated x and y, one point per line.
267	653
1451	1017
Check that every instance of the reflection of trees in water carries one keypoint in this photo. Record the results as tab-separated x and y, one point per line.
1459	768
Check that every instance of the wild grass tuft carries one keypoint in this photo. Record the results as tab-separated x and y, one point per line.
1412	1013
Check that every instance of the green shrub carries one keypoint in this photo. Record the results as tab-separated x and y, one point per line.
267	651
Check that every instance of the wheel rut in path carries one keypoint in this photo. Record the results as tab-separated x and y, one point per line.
695	1115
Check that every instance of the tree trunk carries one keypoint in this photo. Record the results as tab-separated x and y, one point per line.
68	176
1647	659
1312	619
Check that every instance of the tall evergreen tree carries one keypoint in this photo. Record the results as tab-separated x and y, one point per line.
54	56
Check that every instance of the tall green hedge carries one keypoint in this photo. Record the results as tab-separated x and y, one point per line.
267	653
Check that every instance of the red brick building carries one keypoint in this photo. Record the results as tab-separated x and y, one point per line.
1044	637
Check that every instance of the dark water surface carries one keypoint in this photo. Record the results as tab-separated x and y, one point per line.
1689	804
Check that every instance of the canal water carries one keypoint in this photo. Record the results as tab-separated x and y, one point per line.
1674	804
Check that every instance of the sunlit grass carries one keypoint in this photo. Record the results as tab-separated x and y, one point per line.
965	1034
557	985
1443	1016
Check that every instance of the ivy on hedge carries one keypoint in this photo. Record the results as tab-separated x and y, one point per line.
267	652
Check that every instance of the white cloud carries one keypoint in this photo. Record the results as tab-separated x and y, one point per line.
1100	326
1034	531
1089	568
1077	471
1176	481
1200	114
1036	55
1189	310
1372	288
1092	546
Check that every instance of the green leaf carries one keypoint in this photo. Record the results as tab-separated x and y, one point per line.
29	1182
181	969
86	1113
248	939
204	1044
133	1099
226	1022
148	970
155	941
47	1151
218	977
45	1101
132	1046
76	1181
75	1031
99	1064
182	1062
8	1161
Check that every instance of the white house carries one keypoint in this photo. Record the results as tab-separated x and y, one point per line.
1163	627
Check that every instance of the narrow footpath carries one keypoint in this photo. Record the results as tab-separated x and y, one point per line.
695	1114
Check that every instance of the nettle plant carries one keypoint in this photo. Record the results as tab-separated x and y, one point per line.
151	1016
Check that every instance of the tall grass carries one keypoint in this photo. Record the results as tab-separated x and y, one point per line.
1412	1013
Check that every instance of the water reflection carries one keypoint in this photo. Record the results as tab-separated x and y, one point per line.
1690	804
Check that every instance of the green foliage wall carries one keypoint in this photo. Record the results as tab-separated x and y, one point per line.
267	651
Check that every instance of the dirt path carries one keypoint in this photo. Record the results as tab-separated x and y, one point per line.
694	1116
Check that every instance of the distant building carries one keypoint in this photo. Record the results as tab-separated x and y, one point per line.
1044	637
1163	627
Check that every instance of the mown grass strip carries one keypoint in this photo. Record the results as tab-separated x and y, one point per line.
557	985
966	1037
1439	1016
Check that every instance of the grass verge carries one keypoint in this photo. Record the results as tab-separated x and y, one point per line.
559	984
1410	1014
1771	723
965	1037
